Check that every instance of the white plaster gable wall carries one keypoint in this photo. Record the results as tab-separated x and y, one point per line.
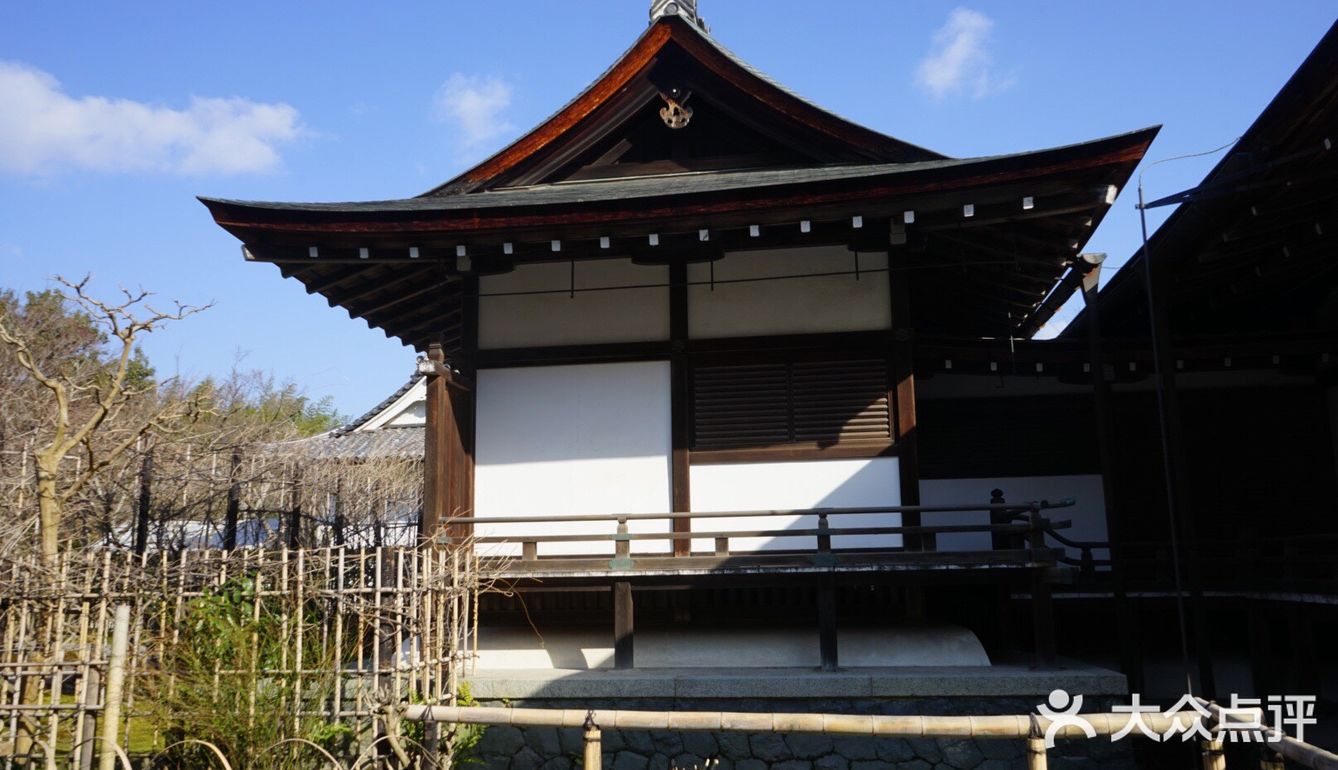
587	317
568	440
408	410
846	483
832	303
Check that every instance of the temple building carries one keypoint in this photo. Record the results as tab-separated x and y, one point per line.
722	384
671	342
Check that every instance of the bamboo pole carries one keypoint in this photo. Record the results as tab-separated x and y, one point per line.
1004	727
593	751
1213	757
1036	759
111	707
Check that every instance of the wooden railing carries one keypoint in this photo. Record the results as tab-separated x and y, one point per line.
1017	545
1016	530
1294	564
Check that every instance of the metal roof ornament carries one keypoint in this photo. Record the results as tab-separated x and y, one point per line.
676	113
685	9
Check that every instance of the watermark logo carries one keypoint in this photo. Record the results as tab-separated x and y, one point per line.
1190	718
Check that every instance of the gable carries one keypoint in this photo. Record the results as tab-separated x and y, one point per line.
739	120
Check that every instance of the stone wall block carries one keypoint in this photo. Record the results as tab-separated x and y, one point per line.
1003	748
854	748
629	760
500	739
894	749
769	747
526	759
961	754
639	741
809	745
734	746
926	749
667	742
703	744
544	741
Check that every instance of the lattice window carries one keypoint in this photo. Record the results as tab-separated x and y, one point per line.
817	403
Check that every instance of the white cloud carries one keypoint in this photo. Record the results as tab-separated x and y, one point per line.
44	130
960	58
473	106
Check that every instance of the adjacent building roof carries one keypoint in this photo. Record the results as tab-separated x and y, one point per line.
1250	250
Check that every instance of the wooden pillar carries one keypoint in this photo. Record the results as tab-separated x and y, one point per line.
340	520
145	502
234	501
435	437
1042	603
623	625
680	466
1179	500
1125	620
295	512
827	648
902	370
1330	385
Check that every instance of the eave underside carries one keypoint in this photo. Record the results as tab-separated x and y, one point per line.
987	242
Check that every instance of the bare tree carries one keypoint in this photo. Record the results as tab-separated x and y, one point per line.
84	402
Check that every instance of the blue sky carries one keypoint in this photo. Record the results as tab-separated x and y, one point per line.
115	115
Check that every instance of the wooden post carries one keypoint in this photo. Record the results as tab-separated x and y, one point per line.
593	750
340	522
680	466
1042	603
145	501
902	374
434	446
111	708
622	625
1179	501
92	688
1125	621
295	512
234	502
827	649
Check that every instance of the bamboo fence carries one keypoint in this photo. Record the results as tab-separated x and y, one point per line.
335	633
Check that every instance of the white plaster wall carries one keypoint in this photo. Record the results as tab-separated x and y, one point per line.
847	483
621	315
509	649
569	440
1088	513
791	306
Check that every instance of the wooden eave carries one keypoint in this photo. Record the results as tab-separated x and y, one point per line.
608	99
982	274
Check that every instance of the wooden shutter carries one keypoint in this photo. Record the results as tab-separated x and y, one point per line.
814	403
